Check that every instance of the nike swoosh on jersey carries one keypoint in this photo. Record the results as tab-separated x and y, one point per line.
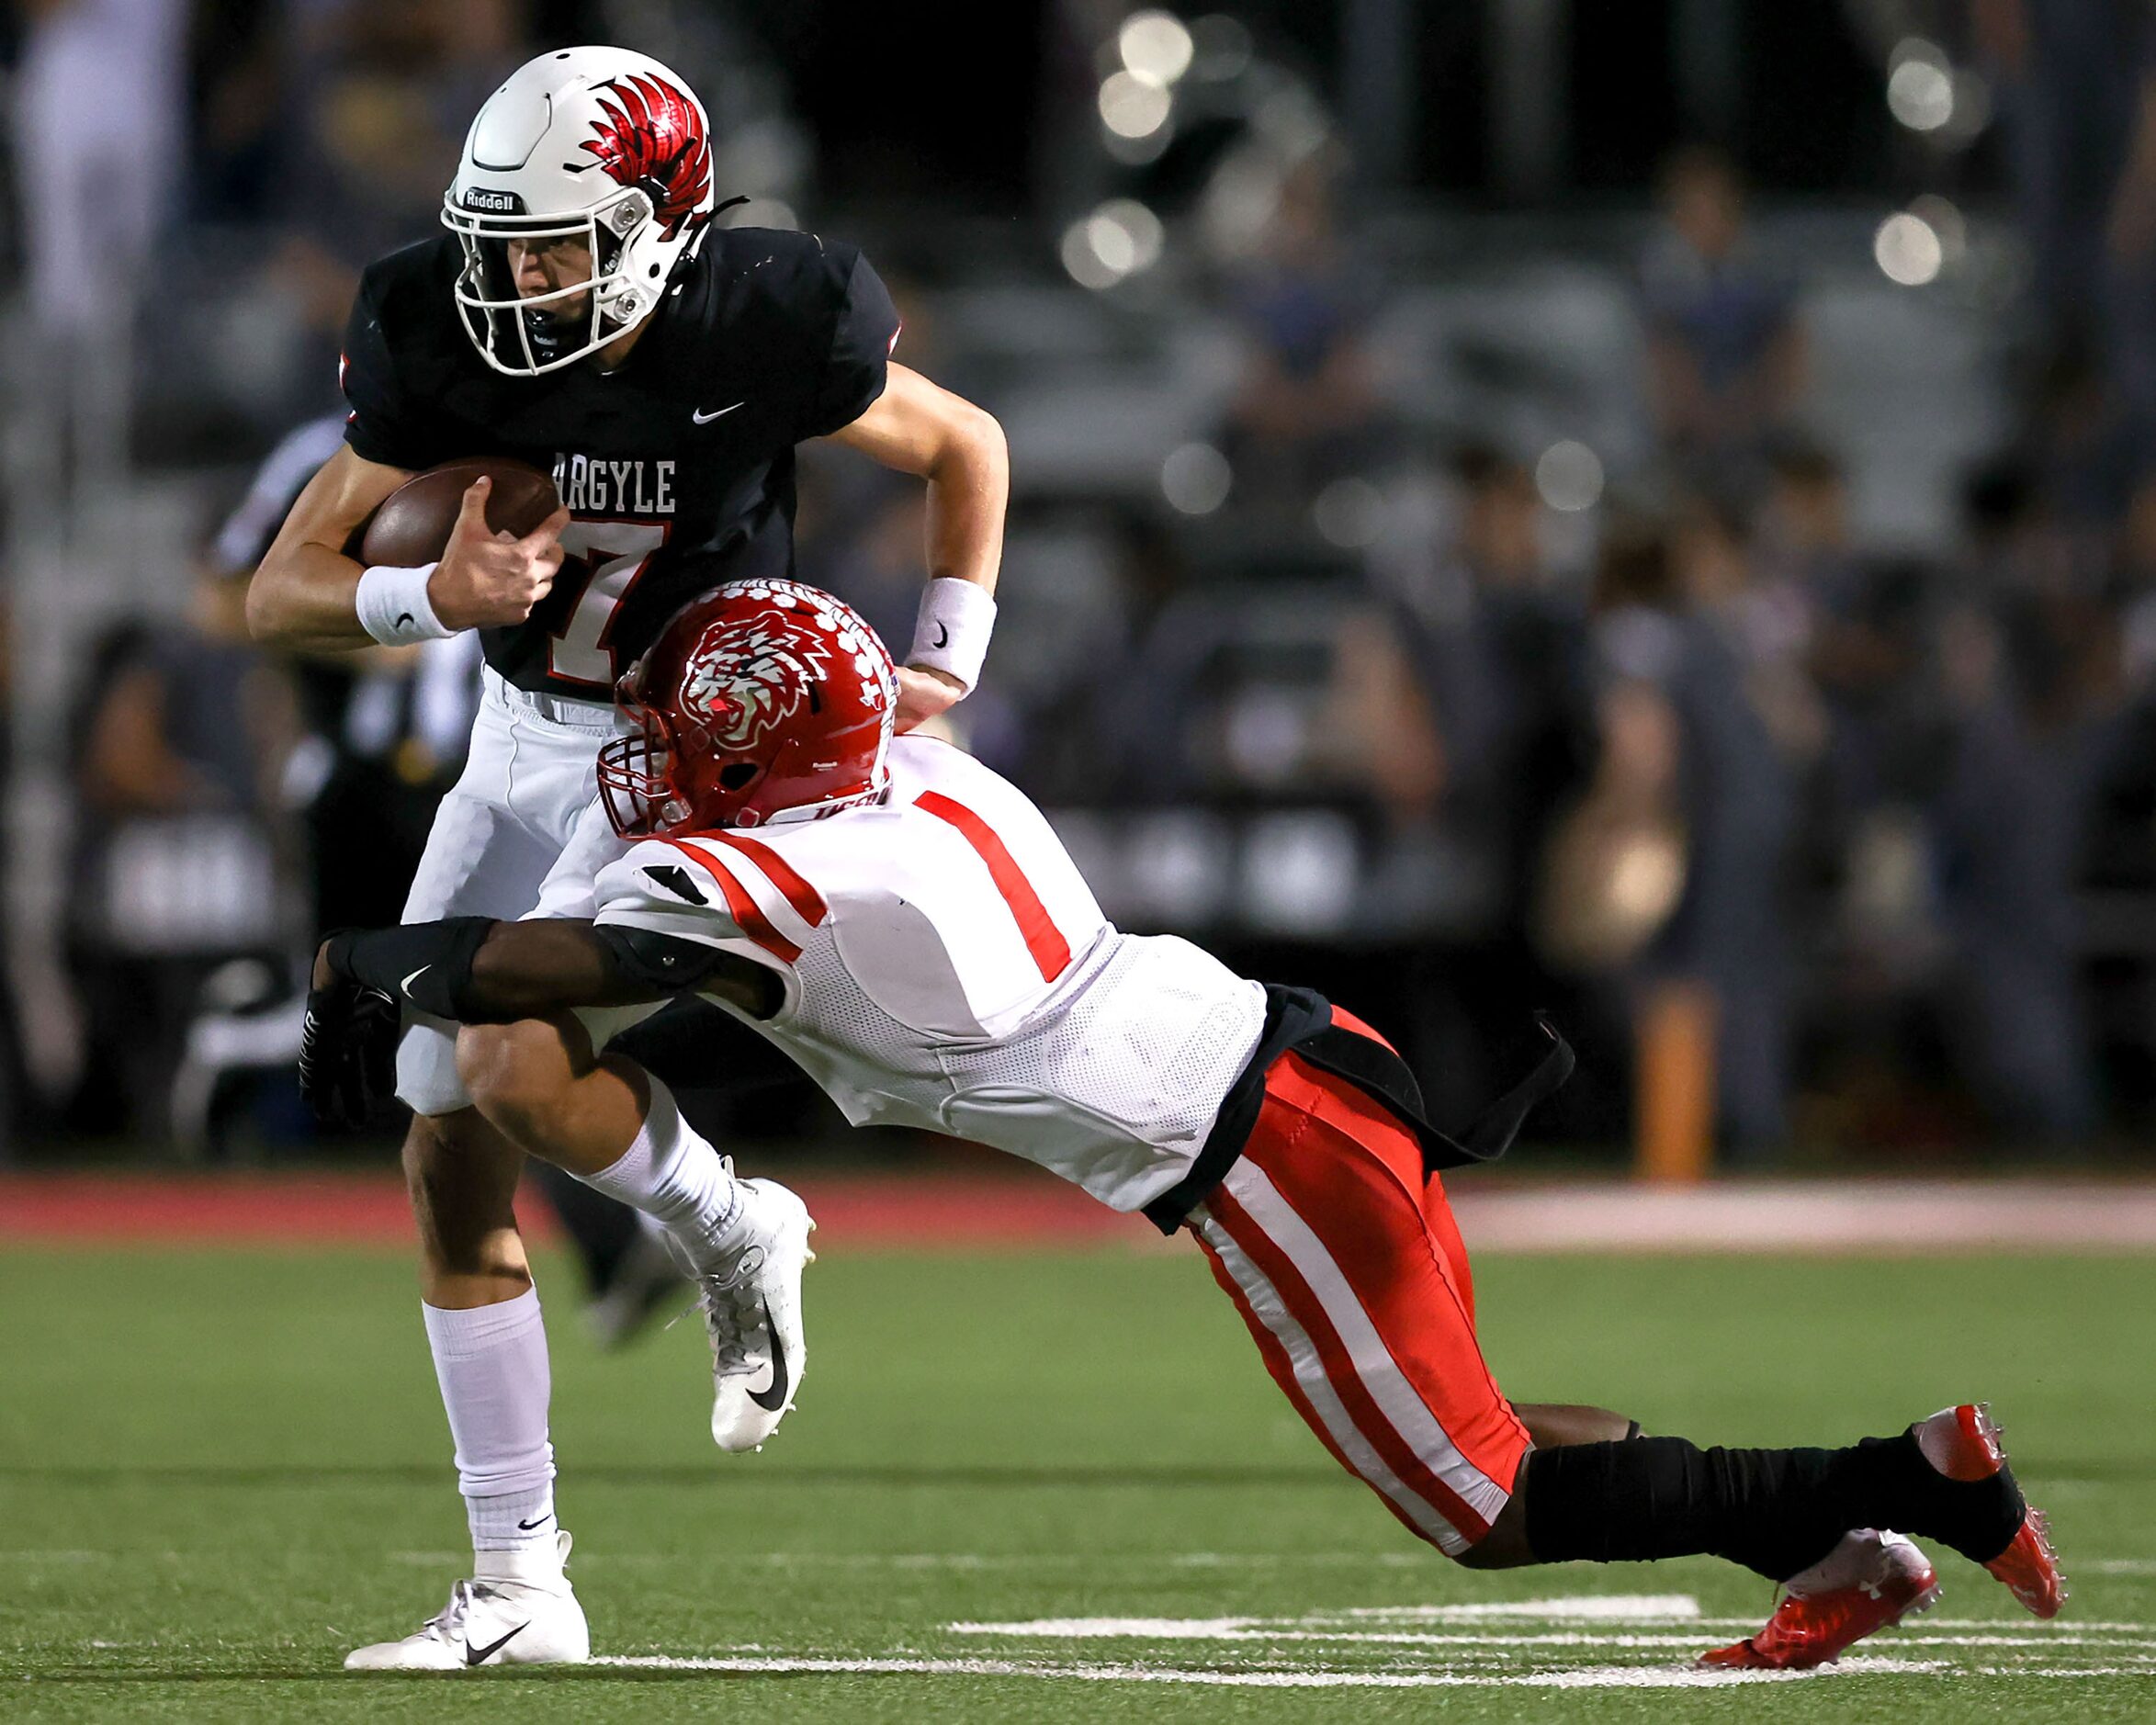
406	984
703	418
774	1397
480	1656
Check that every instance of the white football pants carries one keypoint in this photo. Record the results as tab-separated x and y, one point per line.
522	834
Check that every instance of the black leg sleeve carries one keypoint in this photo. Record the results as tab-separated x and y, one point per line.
1653	1497
1775	1511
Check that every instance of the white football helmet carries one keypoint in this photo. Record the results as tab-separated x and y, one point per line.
600	147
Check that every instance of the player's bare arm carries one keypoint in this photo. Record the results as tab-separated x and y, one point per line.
530	1061
305	594
916	426
302	595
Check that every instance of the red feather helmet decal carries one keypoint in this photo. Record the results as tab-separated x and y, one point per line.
653	137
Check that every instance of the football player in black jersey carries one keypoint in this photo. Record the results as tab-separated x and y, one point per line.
388	728
584	315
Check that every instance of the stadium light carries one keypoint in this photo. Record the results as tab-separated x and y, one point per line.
1156	47
1907	250
1920	84
1569	477
1195	479
1082	263
1131	107
1119	240
1920	93
1135	230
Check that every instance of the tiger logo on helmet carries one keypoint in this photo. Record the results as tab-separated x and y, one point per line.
746	677
764	701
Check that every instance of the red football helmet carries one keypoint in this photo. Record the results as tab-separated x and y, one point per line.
763	701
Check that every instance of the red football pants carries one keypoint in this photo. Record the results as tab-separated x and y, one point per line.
1344	1259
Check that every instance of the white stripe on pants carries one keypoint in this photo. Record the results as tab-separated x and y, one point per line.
1409	1422
1310	1377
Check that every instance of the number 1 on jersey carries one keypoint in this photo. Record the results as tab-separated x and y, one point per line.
611	555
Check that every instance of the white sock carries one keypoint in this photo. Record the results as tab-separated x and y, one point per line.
673	1175
491	1364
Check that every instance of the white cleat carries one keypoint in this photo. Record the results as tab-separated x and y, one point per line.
530	1619
752	1306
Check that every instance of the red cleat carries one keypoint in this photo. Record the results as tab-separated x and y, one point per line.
1966	1443
1868	1582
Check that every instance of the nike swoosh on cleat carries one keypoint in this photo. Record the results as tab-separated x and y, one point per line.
702	418
772	1398
480	1656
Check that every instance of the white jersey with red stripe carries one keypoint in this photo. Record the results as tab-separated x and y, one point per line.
945	967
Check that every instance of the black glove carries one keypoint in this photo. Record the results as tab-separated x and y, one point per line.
348	1052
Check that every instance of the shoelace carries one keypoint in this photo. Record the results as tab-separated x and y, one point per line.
729	1310
732	1307
449	1623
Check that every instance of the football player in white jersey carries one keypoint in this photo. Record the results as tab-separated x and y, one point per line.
583	314
905	925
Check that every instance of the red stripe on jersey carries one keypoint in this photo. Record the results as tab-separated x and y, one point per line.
806	901
747	913
1044	940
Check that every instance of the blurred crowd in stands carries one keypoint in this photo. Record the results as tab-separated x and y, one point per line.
1458	725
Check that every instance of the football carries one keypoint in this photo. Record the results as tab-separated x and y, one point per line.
412	524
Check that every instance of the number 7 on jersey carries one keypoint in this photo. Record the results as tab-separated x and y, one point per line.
611	555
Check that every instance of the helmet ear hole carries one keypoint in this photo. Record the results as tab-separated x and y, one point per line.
738	775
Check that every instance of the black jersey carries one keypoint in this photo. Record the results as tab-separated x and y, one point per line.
678	468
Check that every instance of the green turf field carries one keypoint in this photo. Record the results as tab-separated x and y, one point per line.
218	1471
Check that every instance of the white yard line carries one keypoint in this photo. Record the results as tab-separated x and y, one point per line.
1611	1677
2038	1628
1582	1608
1591	1677
1140	1629
1641	1609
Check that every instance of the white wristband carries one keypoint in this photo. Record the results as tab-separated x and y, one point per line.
393	606
952	633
